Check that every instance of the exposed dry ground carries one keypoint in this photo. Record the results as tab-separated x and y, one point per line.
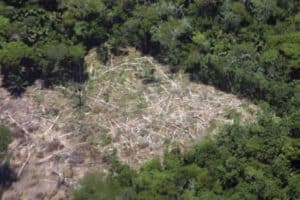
132	104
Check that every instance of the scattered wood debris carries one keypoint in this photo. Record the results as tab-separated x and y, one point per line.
132	104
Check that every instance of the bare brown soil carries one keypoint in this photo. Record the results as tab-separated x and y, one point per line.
133	105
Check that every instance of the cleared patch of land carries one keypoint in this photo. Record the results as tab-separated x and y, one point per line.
132	105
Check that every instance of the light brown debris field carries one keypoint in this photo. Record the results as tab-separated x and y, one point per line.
133	105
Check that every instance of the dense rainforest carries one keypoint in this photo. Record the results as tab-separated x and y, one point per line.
247	47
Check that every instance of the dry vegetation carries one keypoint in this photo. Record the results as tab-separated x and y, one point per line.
140	107
132	105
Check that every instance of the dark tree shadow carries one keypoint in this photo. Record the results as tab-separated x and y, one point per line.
16	82
7	175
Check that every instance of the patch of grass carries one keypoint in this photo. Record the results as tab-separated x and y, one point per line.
110	155
106	95
57	158
144	132
123	75
167	142
148	74
5	138
232	114
39	97
247	108
52	112
90	86
132	102
105	140
213	125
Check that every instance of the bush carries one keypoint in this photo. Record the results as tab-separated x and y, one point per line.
7	176
5	138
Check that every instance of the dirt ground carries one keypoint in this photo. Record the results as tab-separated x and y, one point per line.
132	105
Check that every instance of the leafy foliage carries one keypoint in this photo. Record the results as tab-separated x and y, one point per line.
14	54
5	138
6	174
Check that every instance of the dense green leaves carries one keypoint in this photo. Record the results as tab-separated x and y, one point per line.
4	25
5	138
6	174
242	37
81	9
14	54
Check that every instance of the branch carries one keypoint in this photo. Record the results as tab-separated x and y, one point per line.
18	124
25	163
